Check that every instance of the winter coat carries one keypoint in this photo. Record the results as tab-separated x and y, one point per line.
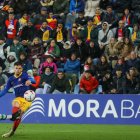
47	79
89	84
61	85
72	66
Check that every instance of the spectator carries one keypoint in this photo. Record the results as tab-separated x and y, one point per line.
76	6
36	78
90	7
3	48
29	32
60	84
11	59
3	79
12	27
132	83
135	37
88	84
104	36
52	21
121	31
72	69
48	4
46	81
93	51
133	61
53	49
44	32
90	32
102	67
79	48
17	47
81	20
61	8
118	81
26	63
48	62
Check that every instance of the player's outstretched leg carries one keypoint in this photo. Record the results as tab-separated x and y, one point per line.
15	110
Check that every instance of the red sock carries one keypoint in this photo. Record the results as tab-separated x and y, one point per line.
16	122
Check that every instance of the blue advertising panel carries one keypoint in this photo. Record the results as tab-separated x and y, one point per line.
79	109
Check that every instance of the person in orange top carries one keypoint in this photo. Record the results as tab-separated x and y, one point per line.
52	21
88	83
37	79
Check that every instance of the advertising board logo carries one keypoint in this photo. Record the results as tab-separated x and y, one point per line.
37	107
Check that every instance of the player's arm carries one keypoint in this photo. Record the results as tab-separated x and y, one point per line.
7	87
29	80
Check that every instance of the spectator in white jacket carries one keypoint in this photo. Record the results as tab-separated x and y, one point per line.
90	7
104	36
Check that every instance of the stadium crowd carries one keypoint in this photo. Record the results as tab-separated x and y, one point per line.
72	46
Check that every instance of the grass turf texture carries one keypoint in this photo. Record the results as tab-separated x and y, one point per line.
73	132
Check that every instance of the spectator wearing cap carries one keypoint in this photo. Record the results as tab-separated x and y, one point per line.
48	62
28	32
12	28
16	47
60	84
88	83
46	80
26	63
118	81
90	7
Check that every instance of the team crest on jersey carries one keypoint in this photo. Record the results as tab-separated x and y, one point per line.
19	79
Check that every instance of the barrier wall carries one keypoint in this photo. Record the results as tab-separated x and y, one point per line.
79	109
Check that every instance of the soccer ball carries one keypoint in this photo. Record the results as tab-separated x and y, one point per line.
29	95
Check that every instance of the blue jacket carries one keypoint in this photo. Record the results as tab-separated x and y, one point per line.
72	66
77	6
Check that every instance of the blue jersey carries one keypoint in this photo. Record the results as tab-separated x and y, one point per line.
18	84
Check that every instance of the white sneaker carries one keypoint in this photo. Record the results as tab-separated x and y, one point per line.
9	134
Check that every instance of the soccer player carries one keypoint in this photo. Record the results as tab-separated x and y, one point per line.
21	82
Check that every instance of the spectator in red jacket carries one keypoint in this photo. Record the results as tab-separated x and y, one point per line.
37	79
88	83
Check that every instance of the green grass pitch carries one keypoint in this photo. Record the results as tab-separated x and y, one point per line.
73	132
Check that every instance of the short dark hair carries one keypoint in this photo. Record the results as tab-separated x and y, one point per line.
17	64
